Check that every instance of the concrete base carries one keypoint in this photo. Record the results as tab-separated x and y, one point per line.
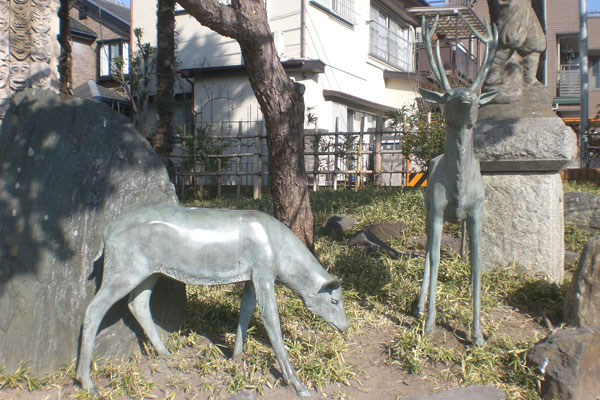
524	222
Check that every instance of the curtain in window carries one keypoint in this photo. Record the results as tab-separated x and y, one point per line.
125	58
104	63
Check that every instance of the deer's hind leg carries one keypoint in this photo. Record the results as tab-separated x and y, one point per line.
112	290
246	310
139	305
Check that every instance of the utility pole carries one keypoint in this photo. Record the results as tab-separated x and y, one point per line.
583	73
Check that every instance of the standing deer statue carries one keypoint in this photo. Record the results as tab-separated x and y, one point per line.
455	188
208	247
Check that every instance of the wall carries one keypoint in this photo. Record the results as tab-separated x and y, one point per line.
84	61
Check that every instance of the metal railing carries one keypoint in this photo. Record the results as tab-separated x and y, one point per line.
568	84
443	3
386	45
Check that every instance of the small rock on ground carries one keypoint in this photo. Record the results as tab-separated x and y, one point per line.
339	224
387	230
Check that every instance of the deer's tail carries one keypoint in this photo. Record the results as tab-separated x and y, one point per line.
100	250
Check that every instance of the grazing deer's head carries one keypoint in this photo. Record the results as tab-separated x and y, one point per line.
460	104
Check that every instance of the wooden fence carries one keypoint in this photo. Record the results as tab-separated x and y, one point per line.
591	175
235	154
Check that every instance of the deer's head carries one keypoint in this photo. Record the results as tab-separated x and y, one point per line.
461	104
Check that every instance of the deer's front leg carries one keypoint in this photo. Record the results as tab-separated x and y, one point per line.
265	295
420	307
474	222
246	311
433	248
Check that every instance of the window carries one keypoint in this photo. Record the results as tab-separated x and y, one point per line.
390	40
594	72
108	53
341	8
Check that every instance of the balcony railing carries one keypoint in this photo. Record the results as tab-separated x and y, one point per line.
569	81
390	47
455	60
443	3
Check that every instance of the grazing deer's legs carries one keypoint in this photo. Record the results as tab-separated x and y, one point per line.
139	305
265	295
437	223
474	222
246	310
110	292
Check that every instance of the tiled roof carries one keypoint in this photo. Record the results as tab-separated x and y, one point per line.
114	7
78	28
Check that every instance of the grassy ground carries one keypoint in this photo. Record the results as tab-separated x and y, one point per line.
378	291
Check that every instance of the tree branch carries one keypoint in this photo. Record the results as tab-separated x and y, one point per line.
221	18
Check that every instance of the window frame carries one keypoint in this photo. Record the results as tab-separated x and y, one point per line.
123	46
403	32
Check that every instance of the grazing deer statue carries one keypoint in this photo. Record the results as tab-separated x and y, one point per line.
208	247
455	187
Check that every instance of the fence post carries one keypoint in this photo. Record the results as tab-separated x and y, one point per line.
335	152
315	158
238	181
219	162
257	163
359	163
377	157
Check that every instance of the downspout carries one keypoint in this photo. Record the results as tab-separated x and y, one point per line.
302	27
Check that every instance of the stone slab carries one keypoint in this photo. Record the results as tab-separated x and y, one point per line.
68	168
478	392
523	223
523	144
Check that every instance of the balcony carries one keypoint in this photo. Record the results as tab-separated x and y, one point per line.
394	48
568	88
457	62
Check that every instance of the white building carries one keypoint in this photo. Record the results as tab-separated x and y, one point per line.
355	57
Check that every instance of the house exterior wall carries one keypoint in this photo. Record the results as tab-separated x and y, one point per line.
84	62
343	47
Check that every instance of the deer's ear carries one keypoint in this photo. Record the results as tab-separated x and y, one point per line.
332	284
431	96
487	97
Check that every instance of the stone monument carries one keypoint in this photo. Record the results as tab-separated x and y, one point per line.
68	168
522	145
28	47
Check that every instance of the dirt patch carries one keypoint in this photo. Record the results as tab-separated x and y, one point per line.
378	376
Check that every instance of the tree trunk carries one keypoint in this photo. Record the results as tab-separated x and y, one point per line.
165	72
65	58
280	99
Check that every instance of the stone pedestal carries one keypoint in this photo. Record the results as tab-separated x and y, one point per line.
520	161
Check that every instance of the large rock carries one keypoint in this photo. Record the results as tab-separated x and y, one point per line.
583	210
68	168
582	304
568	362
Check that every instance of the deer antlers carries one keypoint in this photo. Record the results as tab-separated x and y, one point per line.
437	66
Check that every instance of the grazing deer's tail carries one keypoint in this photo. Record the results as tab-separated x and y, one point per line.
100	250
